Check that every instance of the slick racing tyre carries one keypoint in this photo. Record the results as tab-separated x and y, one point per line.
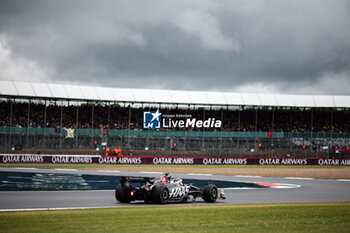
122	195
210	193
160	194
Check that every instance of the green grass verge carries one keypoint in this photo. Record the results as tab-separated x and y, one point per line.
104	166
299	217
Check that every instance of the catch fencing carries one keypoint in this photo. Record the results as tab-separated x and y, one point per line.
211	141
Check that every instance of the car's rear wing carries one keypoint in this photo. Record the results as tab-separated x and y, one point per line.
134	179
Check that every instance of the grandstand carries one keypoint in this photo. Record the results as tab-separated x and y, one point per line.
36	116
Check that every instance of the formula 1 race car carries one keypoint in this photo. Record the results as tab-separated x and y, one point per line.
163	190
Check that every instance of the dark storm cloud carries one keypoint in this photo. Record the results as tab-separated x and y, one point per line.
205	45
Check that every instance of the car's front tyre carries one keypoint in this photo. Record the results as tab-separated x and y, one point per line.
210	193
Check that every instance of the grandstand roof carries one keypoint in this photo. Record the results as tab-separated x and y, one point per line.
91	93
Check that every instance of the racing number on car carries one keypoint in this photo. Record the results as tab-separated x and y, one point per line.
179	191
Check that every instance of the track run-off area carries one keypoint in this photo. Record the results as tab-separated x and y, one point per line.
278	190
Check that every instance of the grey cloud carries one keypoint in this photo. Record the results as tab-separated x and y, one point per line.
202	45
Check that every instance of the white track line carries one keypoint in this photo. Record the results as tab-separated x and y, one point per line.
248	176
298	178
196	174
348	180
151	172
108	171
64	208
68	170
285	186
280	186
25	168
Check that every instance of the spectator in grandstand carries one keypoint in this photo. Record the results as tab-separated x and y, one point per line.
244	120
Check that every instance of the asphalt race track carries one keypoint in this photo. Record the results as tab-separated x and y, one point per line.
297	190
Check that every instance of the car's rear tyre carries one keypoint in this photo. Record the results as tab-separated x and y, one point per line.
122	195
210	193
160	194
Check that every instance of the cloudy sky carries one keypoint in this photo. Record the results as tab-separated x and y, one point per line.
290	46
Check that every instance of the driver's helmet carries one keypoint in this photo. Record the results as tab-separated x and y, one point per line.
168	177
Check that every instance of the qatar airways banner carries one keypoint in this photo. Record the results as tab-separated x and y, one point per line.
85	159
